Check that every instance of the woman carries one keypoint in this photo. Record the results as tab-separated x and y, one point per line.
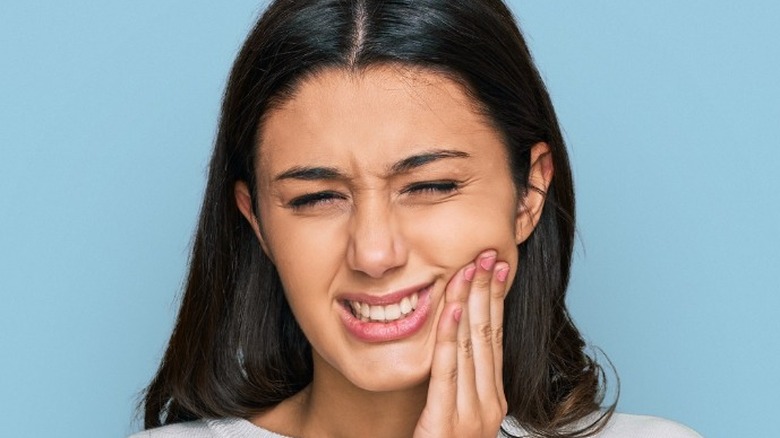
385	240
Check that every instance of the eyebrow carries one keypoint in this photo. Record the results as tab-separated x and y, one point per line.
419	160
309	173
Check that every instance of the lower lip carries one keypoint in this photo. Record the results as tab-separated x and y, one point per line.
391	331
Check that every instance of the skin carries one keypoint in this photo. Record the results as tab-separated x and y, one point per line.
374	226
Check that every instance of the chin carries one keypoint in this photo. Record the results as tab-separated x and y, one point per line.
388	367
390	379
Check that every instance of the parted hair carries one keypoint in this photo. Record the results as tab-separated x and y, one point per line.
236	348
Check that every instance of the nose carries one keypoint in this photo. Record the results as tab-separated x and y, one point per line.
376	245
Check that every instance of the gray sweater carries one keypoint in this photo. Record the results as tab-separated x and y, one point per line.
619	426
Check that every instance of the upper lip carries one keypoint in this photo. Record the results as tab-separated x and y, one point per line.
385	299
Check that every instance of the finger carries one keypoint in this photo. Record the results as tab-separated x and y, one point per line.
467	397
457	293
458	288
498	288
481	328
442	389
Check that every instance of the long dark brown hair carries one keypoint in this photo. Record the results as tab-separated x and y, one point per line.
237	349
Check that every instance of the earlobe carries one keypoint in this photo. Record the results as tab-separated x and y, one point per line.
530	206
244	204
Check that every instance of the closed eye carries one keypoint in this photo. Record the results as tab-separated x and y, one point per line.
328	197
431	187
312	199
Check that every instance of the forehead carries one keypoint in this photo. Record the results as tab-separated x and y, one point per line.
371	117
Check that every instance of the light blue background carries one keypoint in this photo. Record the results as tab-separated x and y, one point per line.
671	110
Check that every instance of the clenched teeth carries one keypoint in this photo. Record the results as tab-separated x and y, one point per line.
388	313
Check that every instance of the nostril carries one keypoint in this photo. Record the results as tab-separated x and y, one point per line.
375	245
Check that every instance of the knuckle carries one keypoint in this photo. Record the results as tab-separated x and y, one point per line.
498	292
481	282
466	347
485	332
451	376
498	334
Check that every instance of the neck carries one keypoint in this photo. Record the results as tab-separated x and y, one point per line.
333	407
343	410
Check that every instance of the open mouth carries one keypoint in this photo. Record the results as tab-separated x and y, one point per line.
383	313
387	313
389	317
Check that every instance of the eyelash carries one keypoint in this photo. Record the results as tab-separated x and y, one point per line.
428	187
313	199
432	187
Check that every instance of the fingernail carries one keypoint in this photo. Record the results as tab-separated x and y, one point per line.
469	272
502	274
488	261
457	313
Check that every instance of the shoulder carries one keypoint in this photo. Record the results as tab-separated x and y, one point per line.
193	429
214	428
643	426
622	426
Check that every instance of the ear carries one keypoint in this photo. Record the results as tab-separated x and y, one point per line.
530	206
244	203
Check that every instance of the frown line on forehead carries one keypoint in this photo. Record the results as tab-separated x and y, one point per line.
404	165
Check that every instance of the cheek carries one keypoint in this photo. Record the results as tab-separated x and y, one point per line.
454	233
307	255
307	258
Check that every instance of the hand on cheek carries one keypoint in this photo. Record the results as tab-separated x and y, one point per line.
466	391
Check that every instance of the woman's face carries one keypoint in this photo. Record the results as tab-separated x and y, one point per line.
374	188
